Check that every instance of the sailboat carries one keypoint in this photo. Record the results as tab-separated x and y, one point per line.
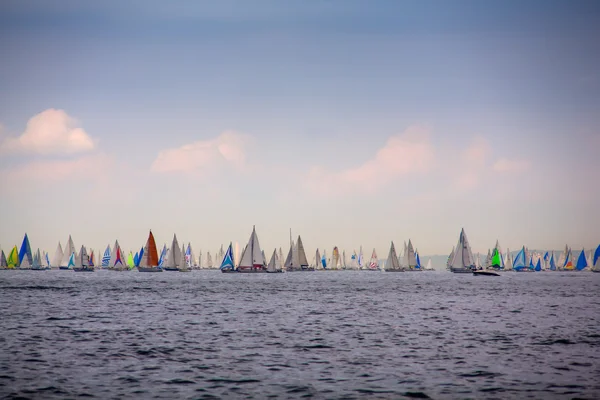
581	261
130	261
58	256
462	261
106	257
429	267
519	264
184	263
92	260
227	265
149	261
449	260
117	259
596	260
496	260
551	263
252	260
336	262
209	260
25	256
374	262
174	256
37	262
392	264
323	261
3	262
296	259
568	263
274	265
68	252
410	258
163	257
13	259
83	262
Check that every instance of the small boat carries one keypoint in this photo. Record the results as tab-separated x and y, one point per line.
37	262
374	262
173	256
596	260
25	255
296	260
3	262
252	260
149	261
67	253
462	259
485	272
83	262
274	265
13	259
392	264
184	262
58	256
227	265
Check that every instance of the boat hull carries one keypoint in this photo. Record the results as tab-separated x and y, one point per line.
83	269
461	270
252	271
485	273
170	269
64	268
274	272
149	269
395	270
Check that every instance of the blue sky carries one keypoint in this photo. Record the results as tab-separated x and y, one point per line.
351	122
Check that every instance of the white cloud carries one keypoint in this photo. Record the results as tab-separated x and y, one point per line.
506	165
50	132
204	156
403	154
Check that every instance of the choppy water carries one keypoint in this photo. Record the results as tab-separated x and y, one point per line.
298	335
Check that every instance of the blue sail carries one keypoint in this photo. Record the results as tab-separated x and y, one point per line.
25	251
106	257
596	256
140	256
531	266
552	263
48	260
324	260
581	261
227	263
136	259
519	262
163	255
538	266
418	266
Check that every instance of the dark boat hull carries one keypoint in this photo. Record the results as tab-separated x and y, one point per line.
461	270
83	269
64	268
149	269
485	273
395	270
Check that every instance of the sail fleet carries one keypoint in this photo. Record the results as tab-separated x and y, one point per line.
253	260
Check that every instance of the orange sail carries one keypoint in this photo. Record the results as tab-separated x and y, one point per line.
152	252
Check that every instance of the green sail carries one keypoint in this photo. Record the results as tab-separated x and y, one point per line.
496	261
13	258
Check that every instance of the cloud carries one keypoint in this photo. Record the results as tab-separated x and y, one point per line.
50	132
506	165
470	165
228	150
403	154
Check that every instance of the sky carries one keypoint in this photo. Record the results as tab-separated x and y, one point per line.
349	122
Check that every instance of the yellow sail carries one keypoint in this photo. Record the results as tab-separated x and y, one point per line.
13	258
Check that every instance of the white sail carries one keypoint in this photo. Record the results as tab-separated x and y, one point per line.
69	250
302	261
252	255
463	257
392	260
429	267
174	256
411	257
58	256
273	265
183	263
78	259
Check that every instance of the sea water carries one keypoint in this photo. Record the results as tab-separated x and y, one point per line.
299	335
